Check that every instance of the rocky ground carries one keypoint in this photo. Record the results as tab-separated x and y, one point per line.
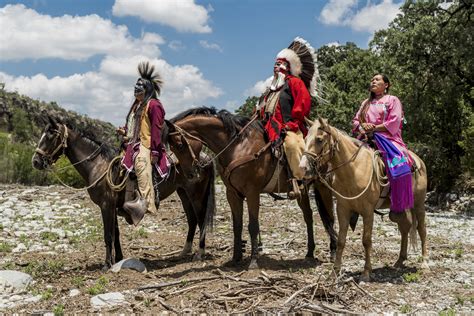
52	250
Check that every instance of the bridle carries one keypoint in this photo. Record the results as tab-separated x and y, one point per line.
315	160
62	145
62	136
184	135
204	163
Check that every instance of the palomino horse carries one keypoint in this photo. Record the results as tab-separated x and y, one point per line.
357	185
246	166
92	161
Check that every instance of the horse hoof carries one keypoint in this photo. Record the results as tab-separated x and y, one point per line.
198	256
399	265
425	266
365	278
332	257
253	265
105	268
312	260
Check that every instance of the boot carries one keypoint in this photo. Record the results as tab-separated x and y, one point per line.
136	209
295	193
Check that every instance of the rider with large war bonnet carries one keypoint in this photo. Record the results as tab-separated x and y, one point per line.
142	141
287	102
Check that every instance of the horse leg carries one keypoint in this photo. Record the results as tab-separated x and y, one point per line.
343	217
253	204
421	227
118	247
191	219
237	206
367	242
323	199
109	234
404	223
308	218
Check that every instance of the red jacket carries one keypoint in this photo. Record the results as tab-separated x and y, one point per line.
293	106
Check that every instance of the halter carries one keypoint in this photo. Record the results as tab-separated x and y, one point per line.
62	136
315	160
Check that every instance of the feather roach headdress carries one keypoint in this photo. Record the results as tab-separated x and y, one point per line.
152	80
303	63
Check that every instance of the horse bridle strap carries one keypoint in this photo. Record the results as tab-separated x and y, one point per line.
62	144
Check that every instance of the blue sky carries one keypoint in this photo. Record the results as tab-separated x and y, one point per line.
84	54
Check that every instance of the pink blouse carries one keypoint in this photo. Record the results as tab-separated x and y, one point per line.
387	111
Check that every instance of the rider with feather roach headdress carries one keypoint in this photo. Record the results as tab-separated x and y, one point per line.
285	104
143	147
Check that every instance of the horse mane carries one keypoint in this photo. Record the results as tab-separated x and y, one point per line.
106	150
233	123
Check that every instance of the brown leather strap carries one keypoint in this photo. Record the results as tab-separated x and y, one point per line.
243	160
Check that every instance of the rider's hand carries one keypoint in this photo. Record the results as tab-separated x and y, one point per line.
120	131
154	160
368	127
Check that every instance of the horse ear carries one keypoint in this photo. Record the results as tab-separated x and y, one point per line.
308	121
323	122
52	121
170	125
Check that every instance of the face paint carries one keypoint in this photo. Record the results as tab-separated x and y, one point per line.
139	87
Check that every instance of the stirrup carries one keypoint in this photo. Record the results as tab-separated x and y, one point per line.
296	192
136	209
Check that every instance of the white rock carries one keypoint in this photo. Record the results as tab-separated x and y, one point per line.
19	248
74	292
16	279
129	263
108	300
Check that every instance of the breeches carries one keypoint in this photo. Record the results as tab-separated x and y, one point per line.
144	177
294	147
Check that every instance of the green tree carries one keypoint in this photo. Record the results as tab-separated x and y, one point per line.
248	108
346	71
433	50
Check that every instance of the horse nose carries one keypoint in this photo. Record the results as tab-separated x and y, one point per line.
36	162
303	163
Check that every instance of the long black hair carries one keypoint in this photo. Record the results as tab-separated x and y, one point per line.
365	106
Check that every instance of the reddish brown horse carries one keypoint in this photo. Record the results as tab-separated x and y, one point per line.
92	160
246	165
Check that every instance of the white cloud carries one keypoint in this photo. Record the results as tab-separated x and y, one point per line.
336	11
207	45
336	44
107	93
176	45
31	35
183	15
370	18
258	87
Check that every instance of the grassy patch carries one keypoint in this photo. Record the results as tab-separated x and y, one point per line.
44	268
58	310
49	236
78	281
412	277
139	233
405	309
5	247
99	286
447	312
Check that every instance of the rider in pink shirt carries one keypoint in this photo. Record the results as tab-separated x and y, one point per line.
381	113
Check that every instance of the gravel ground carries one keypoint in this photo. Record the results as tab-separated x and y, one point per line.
54	234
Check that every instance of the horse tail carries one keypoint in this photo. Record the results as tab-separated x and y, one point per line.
210	201
413	229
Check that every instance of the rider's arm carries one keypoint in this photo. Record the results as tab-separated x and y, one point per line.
156	114
302	103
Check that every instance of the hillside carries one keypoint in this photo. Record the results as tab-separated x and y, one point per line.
25	118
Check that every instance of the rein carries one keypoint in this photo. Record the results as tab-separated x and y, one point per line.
63	145
316	158
203	164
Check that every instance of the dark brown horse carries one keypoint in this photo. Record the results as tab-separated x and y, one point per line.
246	165
92	159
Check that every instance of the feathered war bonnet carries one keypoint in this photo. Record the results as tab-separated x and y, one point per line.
151	79
303	63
